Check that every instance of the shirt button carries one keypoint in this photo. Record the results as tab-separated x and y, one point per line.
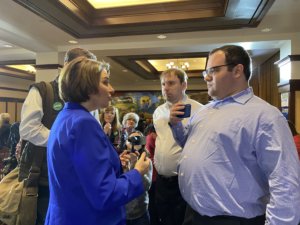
181	174
185	157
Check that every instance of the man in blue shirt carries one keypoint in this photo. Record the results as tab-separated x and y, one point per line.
239	163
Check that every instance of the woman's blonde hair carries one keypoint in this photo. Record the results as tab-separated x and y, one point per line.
80	78
4	118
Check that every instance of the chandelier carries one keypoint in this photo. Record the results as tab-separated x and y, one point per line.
182	65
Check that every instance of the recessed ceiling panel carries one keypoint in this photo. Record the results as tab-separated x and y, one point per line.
150	67
82	20
104	4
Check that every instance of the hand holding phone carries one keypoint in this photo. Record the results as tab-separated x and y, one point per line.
186	110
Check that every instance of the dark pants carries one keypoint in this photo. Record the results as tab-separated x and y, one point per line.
143	220
194	218
42	204
170	204
152	206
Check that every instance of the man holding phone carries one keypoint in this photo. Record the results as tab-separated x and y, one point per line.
170	204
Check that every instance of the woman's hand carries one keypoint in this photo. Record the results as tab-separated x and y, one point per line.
128	159
18	151
142	165
125	160
107	129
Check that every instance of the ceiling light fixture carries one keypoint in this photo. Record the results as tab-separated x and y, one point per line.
104	4
27	68
162	36
7	46
73	42
266	30
191	64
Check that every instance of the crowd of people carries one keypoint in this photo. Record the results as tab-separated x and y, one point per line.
231	161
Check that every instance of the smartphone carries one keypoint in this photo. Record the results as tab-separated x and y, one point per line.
186	110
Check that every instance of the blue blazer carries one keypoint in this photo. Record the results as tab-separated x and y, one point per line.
87	186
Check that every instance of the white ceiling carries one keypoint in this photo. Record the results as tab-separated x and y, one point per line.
29	35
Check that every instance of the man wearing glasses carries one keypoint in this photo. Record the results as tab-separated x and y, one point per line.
239	163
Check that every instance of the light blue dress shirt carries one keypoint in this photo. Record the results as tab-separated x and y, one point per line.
239	159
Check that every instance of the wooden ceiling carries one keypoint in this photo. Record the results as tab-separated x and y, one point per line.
81	20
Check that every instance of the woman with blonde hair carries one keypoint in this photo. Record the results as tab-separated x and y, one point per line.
112	127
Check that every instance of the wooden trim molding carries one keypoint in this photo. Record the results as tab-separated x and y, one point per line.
48	66
4	99
285	60
17	62
13	89
11	72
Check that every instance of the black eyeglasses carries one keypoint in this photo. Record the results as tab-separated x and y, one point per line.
213	69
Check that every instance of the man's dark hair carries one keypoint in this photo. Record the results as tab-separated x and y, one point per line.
235	55
77	52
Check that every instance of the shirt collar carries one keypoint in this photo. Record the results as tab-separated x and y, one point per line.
184	99
241	98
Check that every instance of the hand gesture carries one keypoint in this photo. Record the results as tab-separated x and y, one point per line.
175	111
142	165
128	159
107	129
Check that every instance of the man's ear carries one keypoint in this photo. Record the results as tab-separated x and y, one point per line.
184	84
238	70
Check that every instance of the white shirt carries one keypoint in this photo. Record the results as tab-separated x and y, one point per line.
31	127
167	151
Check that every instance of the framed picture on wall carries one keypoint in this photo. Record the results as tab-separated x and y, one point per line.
141	102
145	102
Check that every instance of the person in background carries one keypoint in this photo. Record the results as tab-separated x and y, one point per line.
87	185
112	127
239	163
129	123
14	136
170	204
137	210
4	142
150	147
142	123
4	130
33	131
296	136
